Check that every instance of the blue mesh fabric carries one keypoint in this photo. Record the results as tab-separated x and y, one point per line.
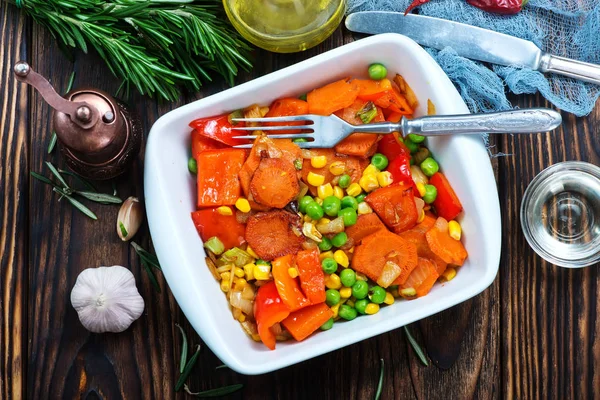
560	27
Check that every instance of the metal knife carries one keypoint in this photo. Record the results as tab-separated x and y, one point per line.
471	42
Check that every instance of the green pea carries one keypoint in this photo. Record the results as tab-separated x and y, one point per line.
416	138
429	166
360	289
306	200
314	210
348	215
347	312
325	244
332	297
331	206
361	305
344	181
361	197
329	265
430	194
377	71
412	146
349	201
348	277
193	165
379	161
377	294
327	325
340	239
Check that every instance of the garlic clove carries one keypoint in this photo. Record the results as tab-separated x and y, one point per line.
106	299
129	218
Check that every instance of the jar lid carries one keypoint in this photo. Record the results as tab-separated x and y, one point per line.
560	214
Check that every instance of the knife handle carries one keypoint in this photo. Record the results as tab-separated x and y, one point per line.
572	68
514	121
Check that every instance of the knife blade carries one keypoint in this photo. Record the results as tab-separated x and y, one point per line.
471	42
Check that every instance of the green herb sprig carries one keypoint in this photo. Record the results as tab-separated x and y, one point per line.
420	353
148	260
380	384
153	45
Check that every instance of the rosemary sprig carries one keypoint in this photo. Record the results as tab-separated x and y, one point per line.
148	260
184	350
380	384
221	366
187	370
153	45
222	391
416	347
53	137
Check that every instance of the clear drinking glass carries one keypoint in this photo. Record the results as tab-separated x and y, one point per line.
560	214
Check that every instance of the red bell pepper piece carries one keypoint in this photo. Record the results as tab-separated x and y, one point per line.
210	223
269	309
303	322
399	167
312	278
390	147
218	182
446	203
288	287
201	143
219	129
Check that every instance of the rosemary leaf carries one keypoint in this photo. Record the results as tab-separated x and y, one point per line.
42	178
187	370
222	391
416	347
79	178
144	255
76	203
380	384
52	142
184	350
71	81
99	197
151	276
58	176
222	366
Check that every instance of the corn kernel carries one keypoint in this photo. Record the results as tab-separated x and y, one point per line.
319	201
338	192
421	188
346	292
335	309
307	218
371	309
315	179
256	337
323	221
370	170
449	274
369	182
385	178
337	168
242	204
225	286
333	281
354	190
262	272
361	277
327	254
421	216
242	318
263	112
409	292
341	258
454	230
251	252
318	161
324	191
224	268
249	271
226	276
293	272
389	299
240	283
238	272
364	208
224	210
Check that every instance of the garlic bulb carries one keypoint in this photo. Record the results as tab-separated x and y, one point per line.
106	299
129	218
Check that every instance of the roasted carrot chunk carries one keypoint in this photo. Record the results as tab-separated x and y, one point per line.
395	205
201	143
442	244
422	277
218	182
288	287
303	322
369	89
380	247
396	102
286	107
274	234
366	225
247	171
416	236
274	183
328	99
358	144
210	223
312	278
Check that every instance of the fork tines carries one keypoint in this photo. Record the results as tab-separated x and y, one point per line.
293	118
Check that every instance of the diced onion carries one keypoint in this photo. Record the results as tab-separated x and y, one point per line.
212	268
309	244
441	224
417	175
303	190
250	327
276	329
237	301
335	226
420	204
390	272
248	292
311	232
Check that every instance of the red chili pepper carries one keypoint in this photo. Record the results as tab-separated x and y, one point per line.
400	170
269	310
218	128
495	6
447	205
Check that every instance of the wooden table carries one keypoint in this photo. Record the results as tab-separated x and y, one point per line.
534	333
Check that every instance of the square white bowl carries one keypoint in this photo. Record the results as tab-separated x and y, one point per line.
170	192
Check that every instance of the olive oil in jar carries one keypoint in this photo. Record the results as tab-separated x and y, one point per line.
285	26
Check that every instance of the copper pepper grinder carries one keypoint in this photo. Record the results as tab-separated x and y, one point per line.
98	135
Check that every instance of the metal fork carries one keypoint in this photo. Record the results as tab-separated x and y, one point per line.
326	132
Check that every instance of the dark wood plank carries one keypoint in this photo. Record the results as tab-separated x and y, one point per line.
14	159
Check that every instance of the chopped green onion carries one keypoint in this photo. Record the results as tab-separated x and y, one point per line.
367	113
123	230
215	245
235	114
298	164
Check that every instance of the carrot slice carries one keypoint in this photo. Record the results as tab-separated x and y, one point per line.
286	107
218	182
366	225
422	277
288	287
248	169
369	89
416	236
312	278
272	234
332	97
303	322
395	205
441	243
376	249
274	183
210	223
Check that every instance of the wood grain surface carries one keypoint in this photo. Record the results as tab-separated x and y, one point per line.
534	333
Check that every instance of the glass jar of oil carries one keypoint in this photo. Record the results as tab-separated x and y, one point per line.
285	26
